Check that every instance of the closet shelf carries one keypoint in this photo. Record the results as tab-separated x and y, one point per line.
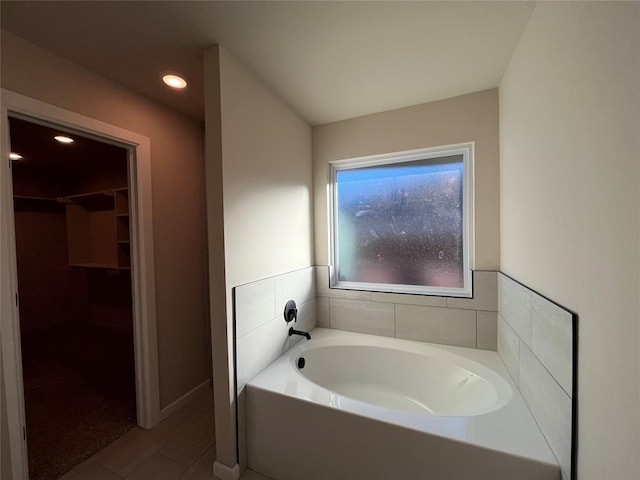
94	200
38	204
98	226
104	266
95	265
34	199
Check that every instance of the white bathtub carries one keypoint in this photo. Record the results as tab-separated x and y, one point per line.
368	407
419	379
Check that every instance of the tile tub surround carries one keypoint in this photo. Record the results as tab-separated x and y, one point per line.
536	340
261	332
286	408
464	322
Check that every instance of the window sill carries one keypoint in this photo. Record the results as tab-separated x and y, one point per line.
404	289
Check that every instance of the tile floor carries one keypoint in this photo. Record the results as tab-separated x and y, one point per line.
181	447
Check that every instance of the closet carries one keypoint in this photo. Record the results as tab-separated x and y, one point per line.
71	210
98	229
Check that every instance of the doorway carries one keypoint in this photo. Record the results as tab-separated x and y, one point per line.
139	265
71	214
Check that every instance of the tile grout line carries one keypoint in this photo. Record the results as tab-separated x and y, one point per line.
521	340
395	322
545	368
187	467
535	419
476	314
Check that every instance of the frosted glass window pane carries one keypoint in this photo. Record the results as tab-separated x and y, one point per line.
401	223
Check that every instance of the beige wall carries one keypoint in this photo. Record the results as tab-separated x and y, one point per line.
178	196
570	182
265	152
467	118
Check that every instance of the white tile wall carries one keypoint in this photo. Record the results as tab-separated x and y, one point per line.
509	347
322	304
399	298
298	285
535	341
515	307
436	325
255	305
374	318
552	340
487	330
258	348
463	322
261	332
549	404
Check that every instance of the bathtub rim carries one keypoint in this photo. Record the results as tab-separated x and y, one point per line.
503	389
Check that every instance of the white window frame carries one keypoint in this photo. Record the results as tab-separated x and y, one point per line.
467	152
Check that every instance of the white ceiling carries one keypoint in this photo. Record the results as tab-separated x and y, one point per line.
328	60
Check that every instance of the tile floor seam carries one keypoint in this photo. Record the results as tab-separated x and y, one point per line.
148	460
128	475
82	471
171	459
97	462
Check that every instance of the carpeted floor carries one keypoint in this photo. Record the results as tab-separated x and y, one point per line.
79	387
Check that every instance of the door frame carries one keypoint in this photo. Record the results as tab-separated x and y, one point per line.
142	268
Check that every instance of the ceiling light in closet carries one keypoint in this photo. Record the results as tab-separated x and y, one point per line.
15	156
174	81
64	139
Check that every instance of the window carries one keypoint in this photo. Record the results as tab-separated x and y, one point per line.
402	222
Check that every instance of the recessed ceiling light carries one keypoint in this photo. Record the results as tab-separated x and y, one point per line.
15	156
64	139
174	81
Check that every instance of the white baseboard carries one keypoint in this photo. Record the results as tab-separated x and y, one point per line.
224	472
183	400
